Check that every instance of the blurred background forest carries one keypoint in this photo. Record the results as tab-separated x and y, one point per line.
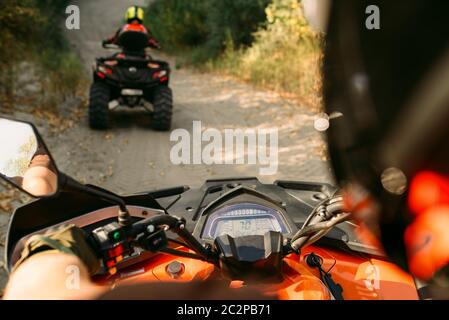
265	42
39	73
35	61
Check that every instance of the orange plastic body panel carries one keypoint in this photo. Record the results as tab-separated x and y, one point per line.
362	278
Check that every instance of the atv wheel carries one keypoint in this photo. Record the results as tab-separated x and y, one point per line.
99	106
163	106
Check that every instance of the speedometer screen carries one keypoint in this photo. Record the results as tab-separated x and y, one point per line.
243	220
246	227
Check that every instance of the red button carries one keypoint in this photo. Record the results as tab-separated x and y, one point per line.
115	252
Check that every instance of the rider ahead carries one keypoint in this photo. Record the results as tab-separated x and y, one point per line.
133	36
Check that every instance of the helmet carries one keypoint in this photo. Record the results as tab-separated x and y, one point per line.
391	83
134	13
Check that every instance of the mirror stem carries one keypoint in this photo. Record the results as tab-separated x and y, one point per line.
68	183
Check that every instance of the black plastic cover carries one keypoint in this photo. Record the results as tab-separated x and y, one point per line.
250	257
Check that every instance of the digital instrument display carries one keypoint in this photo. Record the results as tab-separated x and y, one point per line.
244	219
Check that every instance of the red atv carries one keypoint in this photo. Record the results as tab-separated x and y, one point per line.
131	78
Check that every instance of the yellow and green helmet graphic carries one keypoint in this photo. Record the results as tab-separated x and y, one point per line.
135	13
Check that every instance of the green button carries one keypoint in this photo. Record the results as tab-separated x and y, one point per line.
117	235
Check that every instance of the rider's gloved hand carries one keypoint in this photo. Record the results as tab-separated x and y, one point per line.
154	44
67	239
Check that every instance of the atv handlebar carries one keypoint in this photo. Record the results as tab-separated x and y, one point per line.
150	234
117	47
114	240
327	215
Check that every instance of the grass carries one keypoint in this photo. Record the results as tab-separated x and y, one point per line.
286	55
35	54
293	69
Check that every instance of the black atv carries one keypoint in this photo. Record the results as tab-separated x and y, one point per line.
132	79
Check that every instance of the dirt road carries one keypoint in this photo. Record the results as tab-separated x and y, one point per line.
139	158
131	157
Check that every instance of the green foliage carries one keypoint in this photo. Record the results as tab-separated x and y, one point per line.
205	26
25	22
30	31
266	42
233	22
177	23
285	56
52	11
17	26
61	75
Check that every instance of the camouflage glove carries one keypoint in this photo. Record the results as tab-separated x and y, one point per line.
67	239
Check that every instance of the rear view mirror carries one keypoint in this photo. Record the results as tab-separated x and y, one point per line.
25	161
